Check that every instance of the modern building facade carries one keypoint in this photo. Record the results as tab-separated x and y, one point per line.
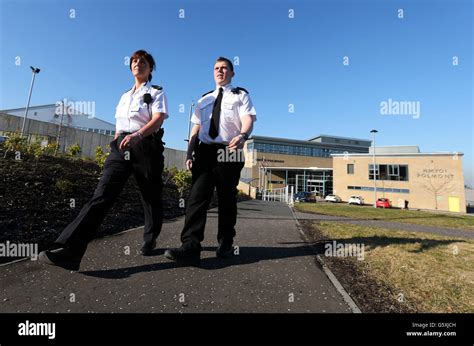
304	165
344	166
432	181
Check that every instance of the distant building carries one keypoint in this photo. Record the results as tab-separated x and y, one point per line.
46	123
64	116
344	166
402	173
304	165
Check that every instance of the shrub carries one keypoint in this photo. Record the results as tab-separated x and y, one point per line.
50	149
73	150
64	185
100	157
183	180
168	174
15	143
35	150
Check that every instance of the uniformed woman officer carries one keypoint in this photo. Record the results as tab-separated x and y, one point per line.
137	148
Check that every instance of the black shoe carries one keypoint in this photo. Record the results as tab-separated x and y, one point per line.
225	250
61	257
183	255
147	248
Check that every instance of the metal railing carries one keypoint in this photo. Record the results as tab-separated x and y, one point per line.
278	195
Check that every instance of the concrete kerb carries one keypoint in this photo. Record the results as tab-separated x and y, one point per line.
347	298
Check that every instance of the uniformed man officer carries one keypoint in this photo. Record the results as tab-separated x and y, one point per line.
223	120
137	148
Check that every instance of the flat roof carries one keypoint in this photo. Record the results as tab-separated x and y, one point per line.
299	168
341	137
398	154
307	143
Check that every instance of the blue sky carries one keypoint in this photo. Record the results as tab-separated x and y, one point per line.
282	61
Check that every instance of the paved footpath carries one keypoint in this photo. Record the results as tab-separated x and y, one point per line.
276	271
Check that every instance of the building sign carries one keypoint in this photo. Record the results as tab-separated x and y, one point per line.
269	160
435	173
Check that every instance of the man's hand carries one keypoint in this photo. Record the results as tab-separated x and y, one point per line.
237	142
130	141
189	164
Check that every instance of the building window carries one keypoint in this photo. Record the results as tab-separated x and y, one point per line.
389	172
393	170
371	172
403	173
379	189
350	168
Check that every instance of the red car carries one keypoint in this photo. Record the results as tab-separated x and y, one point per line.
383	203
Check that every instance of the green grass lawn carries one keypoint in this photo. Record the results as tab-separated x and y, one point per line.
429	273
396	215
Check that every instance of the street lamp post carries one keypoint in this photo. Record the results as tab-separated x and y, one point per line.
35	71
374	168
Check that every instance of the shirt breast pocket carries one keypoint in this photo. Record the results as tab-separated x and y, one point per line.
121	110
228	109
143	110
205	111
205	120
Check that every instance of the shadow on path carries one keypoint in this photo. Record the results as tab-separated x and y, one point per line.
250	254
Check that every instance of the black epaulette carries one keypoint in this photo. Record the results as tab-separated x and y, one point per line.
157	87
207	93
238	89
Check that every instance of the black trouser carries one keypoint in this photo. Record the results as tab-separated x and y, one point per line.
209	173
145	160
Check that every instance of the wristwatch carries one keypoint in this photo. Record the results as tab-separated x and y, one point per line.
245	135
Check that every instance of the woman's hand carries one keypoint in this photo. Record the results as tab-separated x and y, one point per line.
130	140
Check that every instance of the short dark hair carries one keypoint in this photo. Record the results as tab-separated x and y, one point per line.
228	62
145	55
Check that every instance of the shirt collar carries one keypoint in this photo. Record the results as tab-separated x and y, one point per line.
226	87
145	84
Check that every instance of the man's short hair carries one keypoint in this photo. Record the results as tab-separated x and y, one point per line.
228	62
144	55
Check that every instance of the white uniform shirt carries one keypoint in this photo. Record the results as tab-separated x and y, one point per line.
132	112
233	108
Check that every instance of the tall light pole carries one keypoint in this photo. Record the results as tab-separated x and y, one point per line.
35	71
374	168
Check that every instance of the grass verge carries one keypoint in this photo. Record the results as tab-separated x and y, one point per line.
394	215
401	271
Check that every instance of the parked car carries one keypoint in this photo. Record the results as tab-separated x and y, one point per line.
356	200
3	139
333	198
304	196
383	203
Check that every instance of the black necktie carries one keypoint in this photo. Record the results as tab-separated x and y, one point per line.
216	113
